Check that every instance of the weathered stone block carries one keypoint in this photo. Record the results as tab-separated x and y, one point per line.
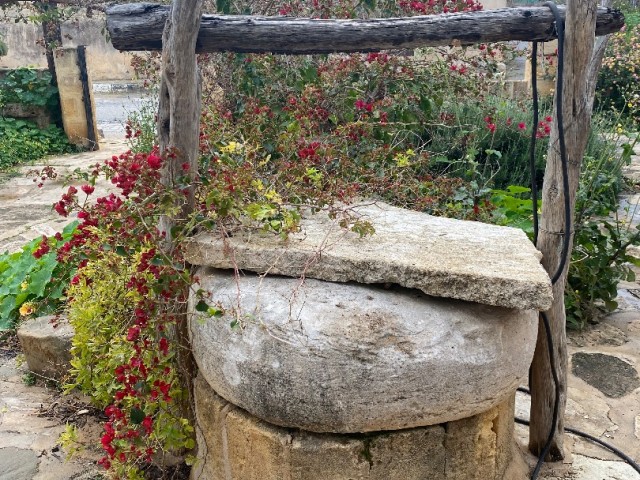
47	349
39	115
487	453
442	257
329	357
234	445
414	454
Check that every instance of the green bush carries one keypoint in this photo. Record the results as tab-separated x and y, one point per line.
22	141
618	88
599	260
28	86
32	281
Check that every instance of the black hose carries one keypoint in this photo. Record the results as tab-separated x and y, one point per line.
534	132
566	243
588	436
556	401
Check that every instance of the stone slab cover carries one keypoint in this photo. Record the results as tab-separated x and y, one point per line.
443	257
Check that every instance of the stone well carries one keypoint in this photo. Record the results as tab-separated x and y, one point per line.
406	369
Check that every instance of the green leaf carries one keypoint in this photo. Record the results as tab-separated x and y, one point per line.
137	416
7	308
69	229
120	250
202	306
215	312
39	279
157	261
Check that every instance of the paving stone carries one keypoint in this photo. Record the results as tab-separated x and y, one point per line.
612	376
17	464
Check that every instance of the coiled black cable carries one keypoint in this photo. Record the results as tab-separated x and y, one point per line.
580	433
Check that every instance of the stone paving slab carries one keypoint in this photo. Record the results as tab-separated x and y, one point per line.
28	442
27	210
443	257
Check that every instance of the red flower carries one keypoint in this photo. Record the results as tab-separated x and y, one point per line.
147	424
164	346
60	207
362	105
548	118
154	161
133	334
88	189
522	126
491	127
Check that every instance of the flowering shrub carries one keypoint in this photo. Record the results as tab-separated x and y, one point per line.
123	302
619	81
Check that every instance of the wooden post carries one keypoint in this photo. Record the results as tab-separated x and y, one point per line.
178	132
179	109
577	109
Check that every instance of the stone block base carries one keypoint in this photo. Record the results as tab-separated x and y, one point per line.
47	349
234	445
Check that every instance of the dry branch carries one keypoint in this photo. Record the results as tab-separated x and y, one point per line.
139	26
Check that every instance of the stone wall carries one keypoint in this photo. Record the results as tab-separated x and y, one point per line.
104	61
234	445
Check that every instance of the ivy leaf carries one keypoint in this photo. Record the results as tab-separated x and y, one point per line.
120	250
137	416
202	306
6	309
157	261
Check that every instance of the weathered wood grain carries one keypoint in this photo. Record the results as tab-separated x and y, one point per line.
139	26
577	107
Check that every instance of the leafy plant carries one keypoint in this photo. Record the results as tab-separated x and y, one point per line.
32	281
140	127
600	259
28	86
619	80
22	141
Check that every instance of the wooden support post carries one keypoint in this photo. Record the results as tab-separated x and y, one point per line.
137	27
577	109
178	132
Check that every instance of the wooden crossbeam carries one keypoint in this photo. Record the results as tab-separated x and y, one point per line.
139	26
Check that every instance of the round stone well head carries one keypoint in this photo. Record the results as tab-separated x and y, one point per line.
344	357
